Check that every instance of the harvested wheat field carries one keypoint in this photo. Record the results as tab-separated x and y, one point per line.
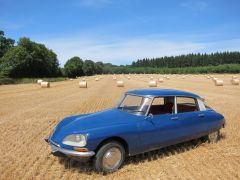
28	113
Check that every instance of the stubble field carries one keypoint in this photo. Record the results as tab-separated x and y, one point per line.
29	113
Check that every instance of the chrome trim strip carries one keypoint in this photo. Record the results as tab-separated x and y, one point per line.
175	105
52	142
70	152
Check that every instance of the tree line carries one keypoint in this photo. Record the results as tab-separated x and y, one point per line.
30	59
190	60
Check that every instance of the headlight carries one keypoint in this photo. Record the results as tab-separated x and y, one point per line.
75	140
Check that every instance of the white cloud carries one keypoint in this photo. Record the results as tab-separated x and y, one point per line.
122	51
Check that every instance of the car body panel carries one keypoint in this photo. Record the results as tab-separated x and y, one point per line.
99	126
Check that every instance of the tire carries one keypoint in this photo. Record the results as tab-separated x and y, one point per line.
109	158
213	137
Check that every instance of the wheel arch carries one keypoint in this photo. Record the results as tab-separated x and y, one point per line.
114	138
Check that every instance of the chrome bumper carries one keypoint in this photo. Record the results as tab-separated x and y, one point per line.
68	152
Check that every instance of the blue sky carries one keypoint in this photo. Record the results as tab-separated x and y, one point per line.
120	31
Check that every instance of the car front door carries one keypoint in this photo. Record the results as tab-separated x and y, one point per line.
161	127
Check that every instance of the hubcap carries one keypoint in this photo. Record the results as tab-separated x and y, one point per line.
112	158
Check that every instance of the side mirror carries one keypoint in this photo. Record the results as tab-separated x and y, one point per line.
149	116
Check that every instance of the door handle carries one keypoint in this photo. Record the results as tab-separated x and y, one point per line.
174	118
201	115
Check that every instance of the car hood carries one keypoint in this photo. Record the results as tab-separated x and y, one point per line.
82	123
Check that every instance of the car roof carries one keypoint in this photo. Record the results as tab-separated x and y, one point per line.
161	92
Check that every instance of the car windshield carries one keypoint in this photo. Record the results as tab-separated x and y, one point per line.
135	104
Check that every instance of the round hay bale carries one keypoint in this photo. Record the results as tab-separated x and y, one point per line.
152	84
235	81
234	77
151	78
214	79
114	78
160	80
218	82
45	84
120	83
167	77
96	79
83	84
39	81
70	79
208	77
129	77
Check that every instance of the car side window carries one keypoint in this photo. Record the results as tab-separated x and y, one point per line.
186	104
162	105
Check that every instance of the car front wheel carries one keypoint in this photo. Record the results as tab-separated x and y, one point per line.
214	136
109	157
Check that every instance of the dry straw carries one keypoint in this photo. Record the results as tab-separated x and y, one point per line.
83	84
96	79
160	80
120	83
39	81
234	77
152	84
214	79
218	82
45	84
235	81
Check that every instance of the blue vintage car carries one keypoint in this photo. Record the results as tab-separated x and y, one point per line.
142	121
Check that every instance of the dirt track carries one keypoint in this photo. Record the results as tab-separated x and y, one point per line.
28	113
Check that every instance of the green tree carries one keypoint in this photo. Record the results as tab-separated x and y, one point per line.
29	59
88	67
15	62
98	66
5	44
73	67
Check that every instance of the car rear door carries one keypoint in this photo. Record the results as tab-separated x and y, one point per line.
192	118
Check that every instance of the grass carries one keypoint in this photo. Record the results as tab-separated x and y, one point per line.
6	80
224	68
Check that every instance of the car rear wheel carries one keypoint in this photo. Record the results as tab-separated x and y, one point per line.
214	136
109	157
